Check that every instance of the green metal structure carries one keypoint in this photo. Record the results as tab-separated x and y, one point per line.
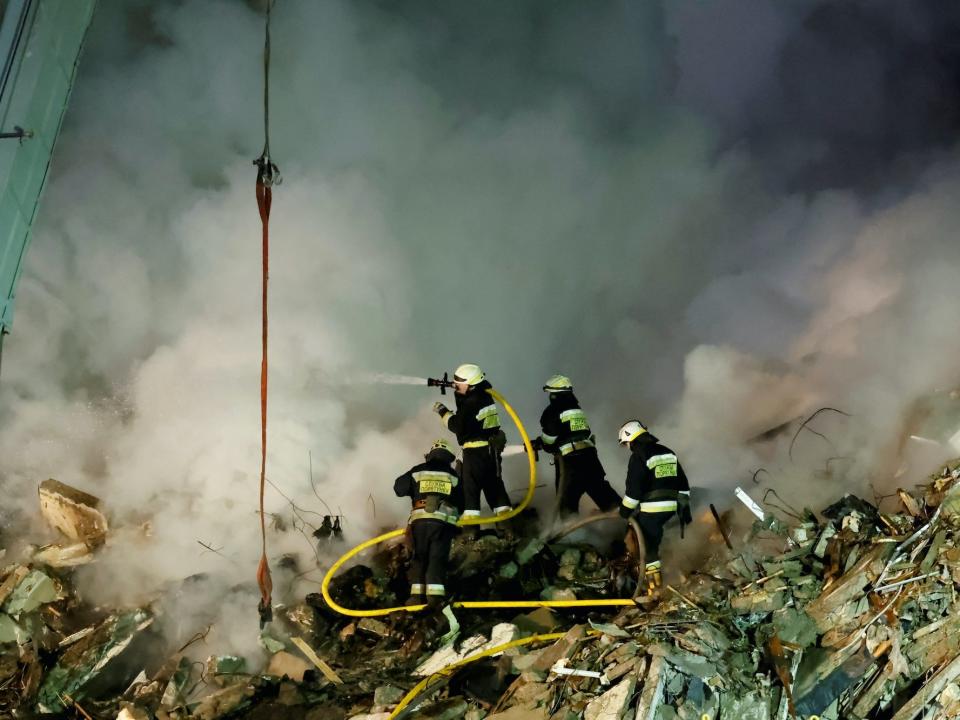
40	44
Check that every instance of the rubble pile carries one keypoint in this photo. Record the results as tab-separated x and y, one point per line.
849	613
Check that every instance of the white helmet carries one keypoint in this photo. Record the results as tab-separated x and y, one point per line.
630	431
442	444
469	374
558	383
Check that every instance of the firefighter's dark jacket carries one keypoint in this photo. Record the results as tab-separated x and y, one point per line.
434	487
655	478
563	423
476	419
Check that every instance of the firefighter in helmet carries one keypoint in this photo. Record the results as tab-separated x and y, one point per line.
656	490
565	433
437	496
476	424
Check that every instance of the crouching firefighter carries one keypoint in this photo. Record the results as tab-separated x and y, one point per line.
565	433
476	424
437	496
656	490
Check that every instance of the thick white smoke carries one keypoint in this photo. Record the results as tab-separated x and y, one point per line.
430	216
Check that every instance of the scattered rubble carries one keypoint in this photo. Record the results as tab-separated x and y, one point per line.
849	613
72	512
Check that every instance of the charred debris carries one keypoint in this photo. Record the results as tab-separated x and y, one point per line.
847	613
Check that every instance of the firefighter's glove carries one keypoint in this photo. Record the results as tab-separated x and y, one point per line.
440	409
625	512
537	444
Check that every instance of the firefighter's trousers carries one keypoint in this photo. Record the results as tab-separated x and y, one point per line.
580	472
481	473
651	525
431	553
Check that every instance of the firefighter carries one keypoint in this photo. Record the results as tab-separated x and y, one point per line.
437	496
656	490
476	424
565	433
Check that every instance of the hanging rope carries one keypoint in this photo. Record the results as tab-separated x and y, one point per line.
268	175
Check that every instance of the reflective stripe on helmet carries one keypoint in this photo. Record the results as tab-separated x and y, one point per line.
558	383
630	431
442	444
468	373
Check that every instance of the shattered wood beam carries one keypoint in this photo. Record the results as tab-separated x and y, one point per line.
935	648
327	671
723	530
874	693
848	588
921	701
652	690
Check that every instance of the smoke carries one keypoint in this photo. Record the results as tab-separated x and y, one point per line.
712	224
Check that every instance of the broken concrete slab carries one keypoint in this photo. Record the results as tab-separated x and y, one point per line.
613	704
34	590
387	696
73	512
223	702
501	634
284	664
529	550
373	627
449	709
11	632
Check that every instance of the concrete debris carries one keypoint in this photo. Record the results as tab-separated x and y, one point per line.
64	556
612	704
849	612
72	512
92	660
34	590
499	635
283	664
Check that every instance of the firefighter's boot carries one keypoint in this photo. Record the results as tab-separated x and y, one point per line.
435	603
652	578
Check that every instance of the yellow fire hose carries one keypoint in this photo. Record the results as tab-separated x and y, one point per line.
333	605
450	669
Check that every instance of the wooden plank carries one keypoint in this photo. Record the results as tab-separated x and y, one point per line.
652	690
921	701
327	671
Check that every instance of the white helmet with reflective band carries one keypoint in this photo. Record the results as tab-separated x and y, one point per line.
630	431
558	383
469	374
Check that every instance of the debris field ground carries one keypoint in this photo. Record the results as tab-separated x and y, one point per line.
846	613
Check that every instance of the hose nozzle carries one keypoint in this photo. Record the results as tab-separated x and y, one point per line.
442	383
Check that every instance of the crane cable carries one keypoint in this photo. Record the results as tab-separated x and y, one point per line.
268	175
